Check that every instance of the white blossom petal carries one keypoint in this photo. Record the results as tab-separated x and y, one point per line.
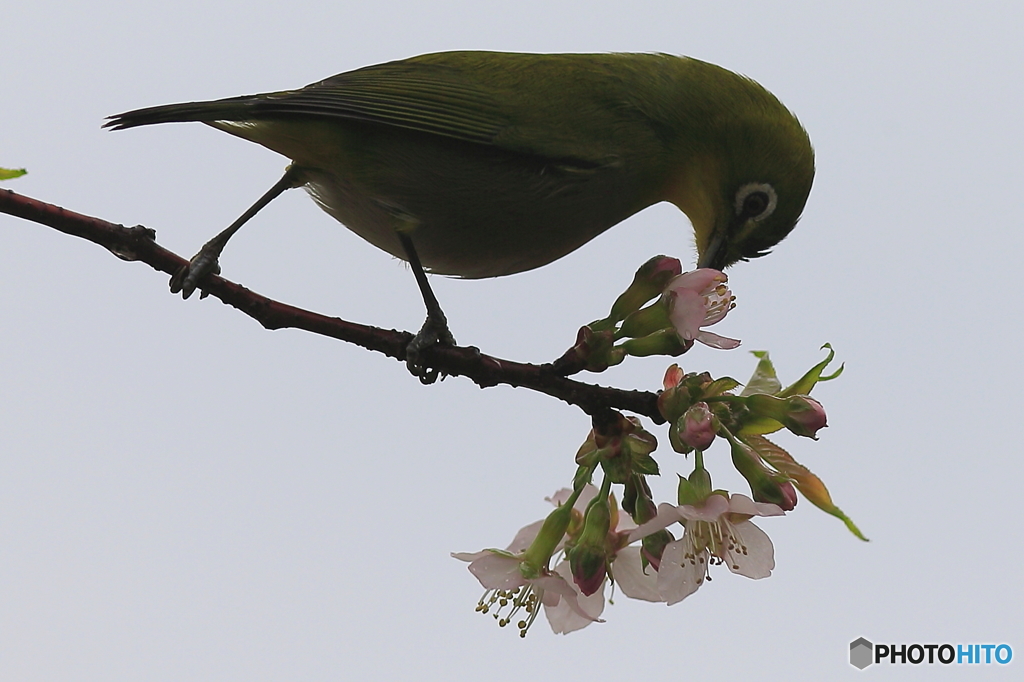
560	497
741	504
631	579
588	493
667	515
573	611
625	524
715	341
754	557
497	571
525	537
700	299
470	556
710	511
681	571
687	313
698	280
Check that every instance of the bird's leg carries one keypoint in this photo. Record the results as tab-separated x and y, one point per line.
204	263
435	327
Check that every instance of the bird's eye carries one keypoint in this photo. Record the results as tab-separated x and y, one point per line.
756	201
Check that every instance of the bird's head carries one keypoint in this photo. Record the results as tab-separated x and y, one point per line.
745	186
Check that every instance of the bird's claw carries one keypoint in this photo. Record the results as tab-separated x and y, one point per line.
189	276
434	331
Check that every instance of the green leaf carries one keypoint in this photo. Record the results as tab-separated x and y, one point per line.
759	426
10	173
719	386
809	485
764	379
804	385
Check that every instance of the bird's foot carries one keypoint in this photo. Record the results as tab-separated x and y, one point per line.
190	276
434	331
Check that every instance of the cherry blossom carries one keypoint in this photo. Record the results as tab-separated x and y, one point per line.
700	299
717	532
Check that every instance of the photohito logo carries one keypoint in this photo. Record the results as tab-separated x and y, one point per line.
863	653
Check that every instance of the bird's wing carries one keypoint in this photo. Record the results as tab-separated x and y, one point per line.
577	109
428	98
559	107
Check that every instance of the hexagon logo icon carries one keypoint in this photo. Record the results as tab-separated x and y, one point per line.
861	651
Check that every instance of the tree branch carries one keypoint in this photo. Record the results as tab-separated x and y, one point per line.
139	244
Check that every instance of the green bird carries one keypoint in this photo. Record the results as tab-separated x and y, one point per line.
481	164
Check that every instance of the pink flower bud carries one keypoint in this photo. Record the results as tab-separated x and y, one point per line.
589	566
653	546
673	376
805	416
588	559
801	414
649	282
664	267
696	427
674	399
789	497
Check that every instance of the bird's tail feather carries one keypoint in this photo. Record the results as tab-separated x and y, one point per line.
234	109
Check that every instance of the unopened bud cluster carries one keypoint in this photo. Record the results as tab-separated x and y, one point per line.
661	552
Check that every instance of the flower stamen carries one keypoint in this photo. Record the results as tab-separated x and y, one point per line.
506	603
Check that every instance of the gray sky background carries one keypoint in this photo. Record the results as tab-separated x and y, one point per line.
184	495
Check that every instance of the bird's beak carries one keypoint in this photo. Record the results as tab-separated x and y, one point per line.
714	255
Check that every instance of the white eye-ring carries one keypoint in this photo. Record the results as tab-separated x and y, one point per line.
756	201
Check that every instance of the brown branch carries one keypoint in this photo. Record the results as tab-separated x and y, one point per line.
139	244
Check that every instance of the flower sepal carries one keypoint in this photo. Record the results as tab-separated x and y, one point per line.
695	488
593	351
622	448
